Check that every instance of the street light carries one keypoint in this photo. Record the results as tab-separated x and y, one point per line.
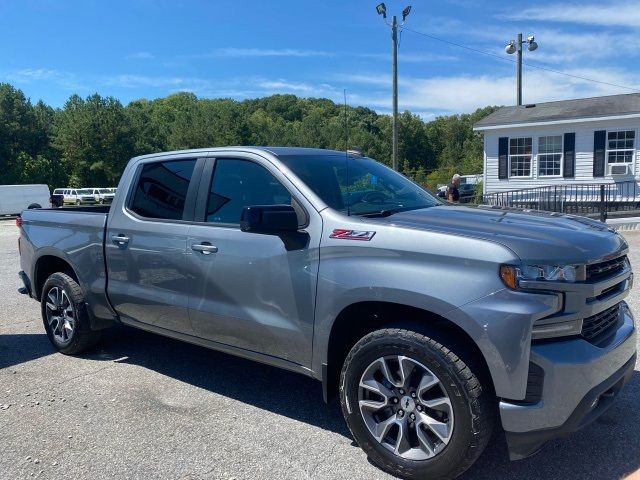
515	46
381	9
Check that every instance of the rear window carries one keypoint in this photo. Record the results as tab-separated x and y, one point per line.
162	188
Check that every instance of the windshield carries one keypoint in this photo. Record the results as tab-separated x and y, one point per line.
358	186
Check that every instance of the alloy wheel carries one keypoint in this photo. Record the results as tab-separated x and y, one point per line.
61	315
405	407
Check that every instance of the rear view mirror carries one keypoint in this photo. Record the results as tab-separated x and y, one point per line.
272	219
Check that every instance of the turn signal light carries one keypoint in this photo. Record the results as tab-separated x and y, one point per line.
509	276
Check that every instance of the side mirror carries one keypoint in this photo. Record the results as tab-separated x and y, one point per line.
271	219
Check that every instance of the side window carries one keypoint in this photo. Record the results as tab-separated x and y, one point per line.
241	183
162	189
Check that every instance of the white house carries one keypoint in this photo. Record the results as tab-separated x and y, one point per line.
582	141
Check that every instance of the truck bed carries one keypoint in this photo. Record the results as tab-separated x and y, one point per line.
76	235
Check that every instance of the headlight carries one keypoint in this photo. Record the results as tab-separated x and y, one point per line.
511	274
566	273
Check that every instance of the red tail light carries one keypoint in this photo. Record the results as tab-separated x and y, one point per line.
18	221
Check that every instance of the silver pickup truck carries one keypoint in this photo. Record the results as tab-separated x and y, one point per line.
435	323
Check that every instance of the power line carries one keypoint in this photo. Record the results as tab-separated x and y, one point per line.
524	63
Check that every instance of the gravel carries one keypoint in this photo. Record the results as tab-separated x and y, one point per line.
144	406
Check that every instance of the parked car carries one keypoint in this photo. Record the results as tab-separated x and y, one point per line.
278	255
57	198
467	192
16	198
105	195
80	196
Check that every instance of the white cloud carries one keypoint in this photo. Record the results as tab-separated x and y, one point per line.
25	76
260	52
140	56
622	14
465	93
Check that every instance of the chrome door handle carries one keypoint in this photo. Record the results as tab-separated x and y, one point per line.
204	248
120	239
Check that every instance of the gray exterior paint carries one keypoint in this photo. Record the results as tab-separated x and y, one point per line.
260	300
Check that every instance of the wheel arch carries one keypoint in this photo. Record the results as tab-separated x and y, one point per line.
45	266
358	319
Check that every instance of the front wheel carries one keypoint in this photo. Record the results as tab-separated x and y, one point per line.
414	406
65	317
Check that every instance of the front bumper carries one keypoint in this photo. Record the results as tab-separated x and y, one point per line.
580	382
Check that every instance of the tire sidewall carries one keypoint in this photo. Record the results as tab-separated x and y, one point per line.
446	461
81	318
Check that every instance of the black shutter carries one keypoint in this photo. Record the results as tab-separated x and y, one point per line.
569	155
503	157
599	140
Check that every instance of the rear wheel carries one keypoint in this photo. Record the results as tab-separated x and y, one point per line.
65	317
414	406
77	202
33	205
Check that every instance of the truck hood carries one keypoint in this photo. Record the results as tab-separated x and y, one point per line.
533	236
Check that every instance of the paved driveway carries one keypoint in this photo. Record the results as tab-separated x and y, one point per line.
143	406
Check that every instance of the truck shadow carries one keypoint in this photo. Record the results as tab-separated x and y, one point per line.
607	449
20	348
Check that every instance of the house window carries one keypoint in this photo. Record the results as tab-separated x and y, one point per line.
620	147
520	157
550	156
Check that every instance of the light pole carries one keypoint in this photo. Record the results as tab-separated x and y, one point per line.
382	10
515	46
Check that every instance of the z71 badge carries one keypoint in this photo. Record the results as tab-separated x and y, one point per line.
344	234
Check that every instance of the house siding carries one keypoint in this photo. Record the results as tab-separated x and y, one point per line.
583	154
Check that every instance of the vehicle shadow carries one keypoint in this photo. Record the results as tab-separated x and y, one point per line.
269	388
607	449
19	348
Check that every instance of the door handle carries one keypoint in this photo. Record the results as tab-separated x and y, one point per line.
120	239
205	248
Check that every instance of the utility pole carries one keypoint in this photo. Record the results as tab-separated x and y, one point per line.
382	10
519	70
394	122
515	46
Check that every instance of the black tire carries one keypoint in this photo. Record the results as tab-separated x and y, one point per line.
473	406
77	202
101	201
33	205
82	338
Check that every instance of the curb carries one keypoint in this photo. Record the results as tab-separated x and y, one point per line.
625	224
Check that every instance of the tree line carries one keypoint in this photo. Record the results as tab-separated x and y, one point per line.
89	140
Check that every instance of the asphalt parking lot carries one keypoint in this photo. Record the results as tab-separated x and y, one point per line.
143	406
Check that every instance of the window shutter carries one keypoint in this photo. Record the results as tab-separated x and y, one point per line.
599	140
503	157
569	155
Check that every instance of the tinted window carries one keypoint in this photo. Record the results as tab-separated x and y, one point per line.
358	186
162	189
240	183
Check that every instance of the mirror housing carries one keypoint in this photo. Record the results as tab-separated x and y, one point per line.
273	219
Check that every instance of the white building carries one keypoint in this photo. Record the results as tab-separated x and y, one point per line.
583	141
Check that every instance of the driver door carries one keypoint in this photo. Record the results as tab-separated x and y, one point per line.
251	290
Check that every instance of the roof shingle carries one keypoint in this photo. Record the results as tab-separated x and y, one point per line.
564	110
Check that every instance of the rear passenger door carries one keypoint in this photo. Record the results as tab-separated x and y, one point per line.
250	290
146	242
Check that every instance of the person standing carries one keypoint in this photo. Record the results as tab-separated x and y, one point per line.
453	194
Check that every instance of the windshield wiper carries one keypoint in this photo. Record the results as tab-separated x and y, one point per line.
385	212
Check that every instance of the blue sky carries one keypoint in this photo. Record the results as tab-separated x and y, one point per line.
244	49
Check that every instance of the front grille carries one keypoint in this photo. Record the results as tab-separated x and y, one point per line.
600	323
609	268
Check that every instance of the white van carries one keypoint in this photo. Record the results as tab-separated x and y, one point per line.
16	198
